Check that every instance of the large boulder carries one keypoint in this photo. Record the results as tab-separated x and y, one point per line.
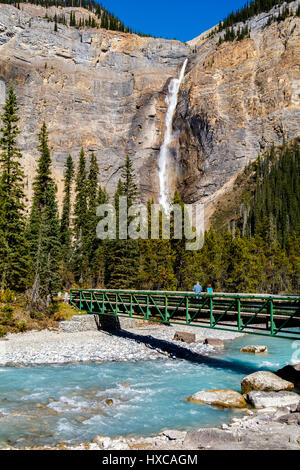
290	418
223	398
265	381
174	435
207	438
290	373
184	337
273	399
214	342
254	349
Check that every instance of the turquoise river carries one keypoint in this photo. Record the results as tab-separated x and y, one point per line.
49	404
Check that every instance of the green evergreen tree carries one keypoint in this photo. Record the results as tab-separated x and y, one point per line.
80	221
98	262
65	223
157	261
91	241
43	230
123	255
14	260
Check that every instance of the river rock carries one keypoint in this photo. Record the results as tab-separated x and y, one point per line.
184	337
264	381
173	434
254	349
206	438
109	402
214	342
290	373
290	418
224	398
260	399
125	384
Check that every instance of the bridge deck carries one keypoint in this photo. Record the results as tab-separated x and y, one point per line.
268	315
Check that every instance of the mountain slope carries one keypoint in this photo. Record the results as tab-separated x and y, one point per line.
105	91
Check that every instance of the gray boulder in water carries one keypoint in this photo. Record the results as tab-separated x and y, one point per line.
273	399
264	381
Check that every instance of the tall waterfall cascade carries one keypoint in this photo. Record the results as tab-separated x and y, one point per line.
164	154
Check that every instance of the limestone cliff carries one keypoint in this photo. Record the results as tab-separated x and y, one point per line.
96	89
236	100
106	91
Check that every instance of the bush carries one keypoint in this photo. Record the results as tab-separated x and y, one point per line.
22	326
6	315
35	315
52	309
3	331
65	312
7	296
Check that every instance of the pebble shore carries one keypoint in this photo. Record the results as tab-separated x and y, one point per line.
57	347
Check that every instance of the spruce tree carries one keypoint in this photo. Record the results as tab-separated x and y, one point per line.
43	230
80	221
14	260
123	254
98	261
157	261
182	256
65	223
92	242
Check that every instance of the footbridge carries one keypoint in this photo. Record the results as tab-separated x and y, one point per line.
267	315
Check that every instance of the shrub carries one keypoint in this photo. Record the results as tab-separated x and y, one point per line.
35	315
7	296
65	312
3	331
22	326
6	315
52	309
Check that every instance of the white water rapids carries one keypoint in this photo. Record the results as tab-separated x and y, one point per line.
164	154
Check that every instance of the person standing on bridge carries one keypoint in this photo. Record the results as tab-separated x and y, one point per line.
209	289
197	288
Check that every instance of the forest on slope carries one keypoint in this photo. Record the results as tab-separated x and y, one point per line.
101	18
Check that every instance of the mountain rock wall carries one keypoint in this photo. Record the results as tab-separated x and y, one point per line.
105	91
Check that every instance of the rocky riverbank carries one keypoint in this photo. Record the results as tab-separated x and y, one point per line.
135	344
265	429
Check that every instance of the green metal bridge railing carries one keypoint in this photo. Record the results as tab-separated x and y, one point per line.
267	315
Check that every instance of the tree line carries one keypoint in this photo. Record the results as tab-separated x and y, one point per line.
106	19
250	9
233	33
42	251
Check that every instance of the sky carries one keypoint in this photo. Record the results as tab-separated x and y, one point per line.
180	19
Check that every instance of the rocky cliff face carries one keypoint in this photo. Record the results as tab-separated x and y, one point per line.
235	101
100	90
106	91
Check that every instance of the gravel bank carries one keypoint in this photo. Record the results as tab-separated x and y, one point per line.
151	342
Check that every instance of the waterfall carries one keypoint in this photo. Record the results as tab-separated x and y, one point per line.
163	158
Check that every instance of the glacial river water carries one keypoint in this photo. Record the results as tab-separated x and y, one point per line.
49	404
